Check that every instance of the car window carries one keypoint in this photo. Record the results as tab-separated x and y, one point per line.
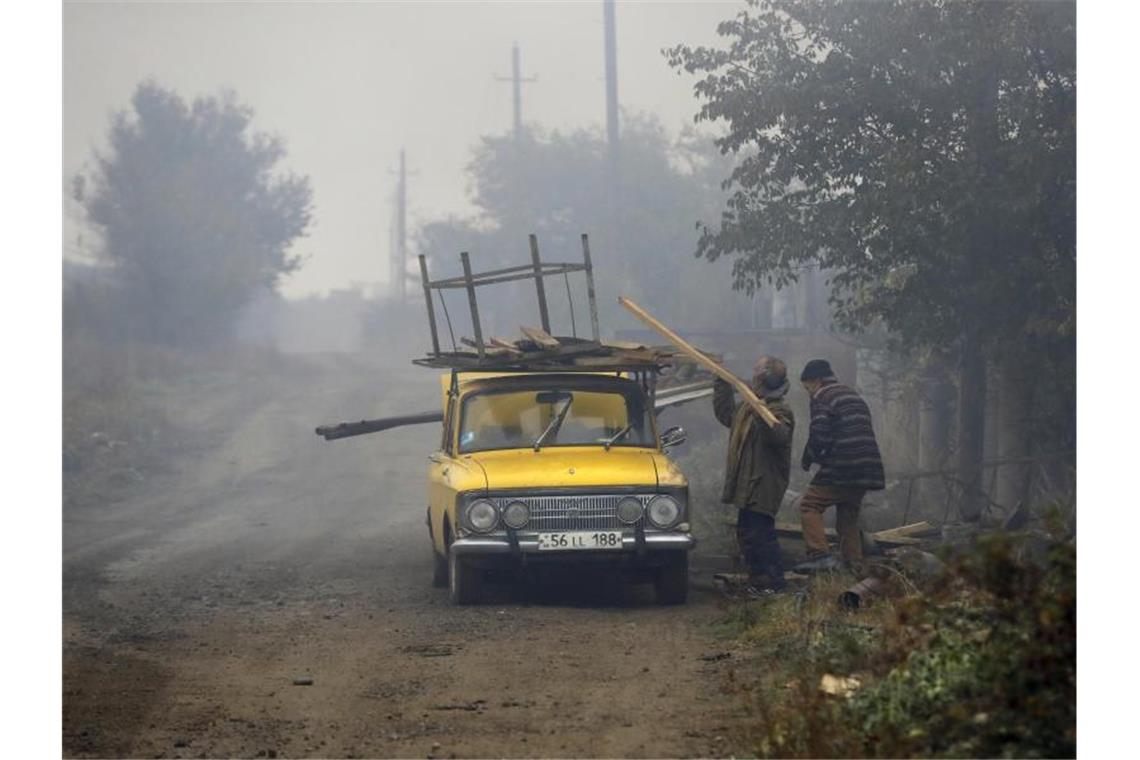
515	419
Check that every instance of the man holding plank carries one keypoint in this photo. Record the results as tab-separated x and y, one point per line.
757	468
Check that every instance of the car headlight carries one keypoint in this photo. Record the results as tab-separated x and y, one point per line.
516	515
663	511
482	516
630	510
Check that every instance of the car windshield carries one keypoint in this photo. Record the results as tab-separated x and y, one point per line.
515	419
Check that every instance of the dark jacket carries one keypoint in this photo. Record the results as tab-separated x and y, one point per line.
759	457
842	441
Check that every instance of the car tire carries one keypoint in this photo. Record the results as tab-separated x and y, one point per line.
439	570
464	582
672	583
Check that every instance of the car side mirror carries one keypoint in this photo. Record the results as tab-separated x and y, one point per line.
674	436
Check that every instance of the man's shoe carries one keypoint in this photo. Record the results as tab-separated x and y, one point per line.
764	581
824	563
761	592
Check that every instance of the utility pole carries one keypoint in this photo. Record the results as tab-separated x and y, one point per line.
402	228
516	79
398	259
611	82
611	223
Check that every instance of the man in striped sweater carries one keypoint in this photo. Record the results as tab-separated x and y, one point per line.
842	442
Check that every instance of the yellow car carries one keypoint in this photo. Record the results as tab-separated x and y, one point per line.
555	467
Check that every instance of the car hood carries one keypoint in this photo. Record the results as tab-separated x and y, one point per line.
568	467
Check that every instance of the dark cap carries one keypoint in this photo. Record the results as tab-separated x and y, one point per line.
817	369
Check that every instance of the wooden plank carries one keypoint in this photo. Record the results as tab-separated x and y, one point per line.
791	530
505	344
489	350
349	429
637	356
682	345
541	337
912	530
629	345
604	362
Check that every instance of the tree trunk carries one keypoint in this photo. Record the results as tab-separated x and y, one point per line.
971	428
811	300
1016	386
991	446
935	414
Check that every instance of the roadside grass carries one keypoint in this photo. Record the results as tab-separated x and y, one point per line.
113	425
981	663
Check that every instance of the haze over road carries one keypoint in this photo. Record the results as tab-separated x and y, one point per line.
266	554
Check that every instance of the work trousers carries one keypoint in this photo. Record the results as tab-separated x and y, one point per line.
847	501
756	534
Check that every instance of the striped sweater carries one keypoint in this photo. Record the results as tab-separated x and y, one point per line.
842	441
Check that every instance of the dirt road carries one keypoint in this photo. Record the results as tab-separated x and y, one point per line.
267	556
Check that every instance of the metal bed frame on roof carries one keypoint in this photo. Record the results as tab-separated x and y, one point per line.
536	270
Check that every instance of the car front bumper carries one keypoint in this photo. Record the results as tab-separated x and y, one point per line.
527	544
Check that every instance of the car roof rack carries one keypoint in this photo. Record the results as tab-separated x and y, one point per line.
537	350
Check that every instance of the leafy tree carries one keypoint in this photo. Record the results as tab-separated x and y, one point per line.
640	219
194	214
923	151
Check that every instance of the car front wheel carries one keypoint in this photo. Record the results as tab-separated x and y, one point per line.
464	582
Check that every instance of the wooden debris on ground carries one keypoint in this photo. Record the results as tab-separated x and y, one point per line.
921	529
891	537
839	686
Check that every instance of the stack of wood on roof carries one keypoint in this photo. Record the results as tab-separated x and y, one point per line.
537	349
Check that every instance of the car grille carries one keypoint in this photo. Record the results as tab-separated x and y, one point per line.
565	513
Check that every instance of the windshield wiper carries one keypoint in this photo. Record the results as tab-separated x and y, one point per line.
554	424
618	436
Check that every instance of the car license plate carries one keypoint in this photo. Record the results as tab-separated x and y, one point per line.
584	539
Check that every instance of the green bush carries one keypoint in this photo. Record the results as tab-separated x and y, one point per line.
995	675
983	666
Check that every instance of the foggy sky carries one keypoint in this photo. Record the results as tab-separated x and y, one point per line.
348	84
